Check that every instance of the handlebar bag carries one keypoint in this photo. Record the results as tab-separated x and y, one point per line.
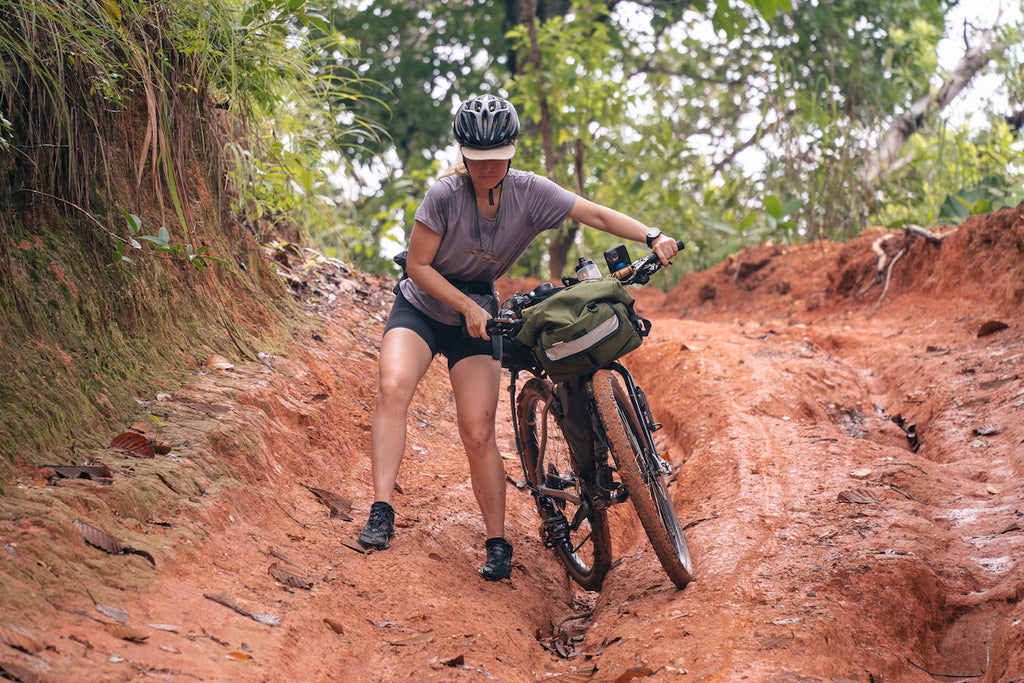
582	328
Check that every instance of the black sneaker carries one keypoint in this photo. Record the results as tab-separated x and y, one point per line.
380	527
499	560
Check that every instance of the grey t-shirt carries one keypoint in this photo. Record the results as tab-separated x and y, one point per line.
474	247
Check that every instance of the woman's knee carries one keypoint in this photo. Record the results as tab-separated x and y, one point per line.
395	391
478	435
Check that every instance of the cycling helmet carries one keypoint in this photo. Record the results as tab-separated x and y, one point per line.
486	127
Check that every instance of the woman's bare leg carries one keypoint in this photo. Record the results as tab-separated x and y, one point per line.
475	381
404	359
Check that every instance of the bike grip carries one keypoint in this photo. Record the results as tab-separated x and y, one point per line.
679	245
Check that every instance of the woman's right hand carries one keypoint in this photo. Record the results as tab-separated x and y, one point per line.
476	321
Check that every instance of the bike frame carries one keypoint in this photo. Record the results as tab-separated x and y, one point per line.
647	425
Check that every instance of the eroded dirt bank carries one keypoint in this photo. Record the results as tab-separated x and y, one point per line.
849	464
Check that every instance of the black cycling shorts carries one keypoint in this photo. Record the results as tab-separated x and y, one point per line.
451	340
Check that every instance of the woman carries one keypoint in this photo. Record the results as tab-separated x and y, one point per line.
471	227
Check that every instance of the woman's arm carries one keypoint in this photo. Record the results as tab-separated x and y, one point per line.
423	245
619	224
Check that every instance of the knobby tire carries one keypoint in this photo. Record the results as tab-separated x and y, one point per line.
587	553
646	487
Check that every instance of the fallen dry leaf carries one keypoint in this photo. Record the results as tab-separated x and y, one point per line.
21	673
623	630
584	673
126	633
133	443
100	473
633	674
335	625
339	507
773	642
858	496
108	543
118	615
414	639
21	639
218	362
288	578
353	544
990	327
264	618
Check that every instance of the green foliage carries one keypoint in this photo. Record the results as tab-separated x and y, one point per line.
199	257
954	173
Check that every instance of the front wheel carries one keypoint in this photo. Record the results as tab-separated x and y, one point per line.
638	470
572	525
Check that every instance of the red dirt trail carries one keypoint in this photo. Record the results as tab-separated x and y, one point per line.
789	381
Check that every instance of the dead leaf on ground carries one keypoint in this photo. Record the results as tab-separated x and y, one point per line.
456	661
353	544
991	384
288	578
171	628
335	625
207	408
581	675
633	674
413	639
623	630
858	496
161	447
126	633
264	618
98	473
118	615
228	601
988	430
20	673
773	642
218	362
21	639
133	443
339	507
990	327
108	543
238	656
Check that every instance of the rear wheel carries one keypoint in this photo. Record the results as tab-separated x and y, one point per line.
639	474
577	531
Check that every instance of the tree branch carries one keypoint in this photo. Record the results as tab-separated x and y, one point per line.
926	107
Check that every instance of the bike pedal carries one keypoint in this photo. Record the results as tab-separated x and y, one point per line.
554	531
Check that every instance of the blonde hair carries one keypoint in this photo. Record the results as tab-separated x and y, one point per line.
458	169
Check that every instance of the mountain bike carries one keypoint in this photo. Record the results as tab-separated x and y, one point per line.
586	444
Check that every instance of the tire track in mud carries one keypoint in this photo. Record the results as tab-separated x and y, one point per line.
767	426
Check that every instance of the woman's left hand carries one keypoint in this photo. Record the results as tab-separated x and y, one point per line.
665	247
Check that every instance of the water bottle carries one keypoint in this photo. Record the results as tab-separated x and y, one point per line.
586	270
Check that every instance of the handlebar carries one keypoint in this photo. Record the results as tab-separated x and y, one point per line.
509	322
640	271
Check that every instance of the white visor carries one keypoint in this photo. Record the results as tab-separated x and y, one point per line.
501	153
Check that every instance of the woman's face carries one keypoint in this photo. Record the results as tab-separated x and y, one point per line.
486	173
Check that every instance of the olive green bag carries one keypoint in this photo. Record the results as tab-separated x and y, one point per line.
582	328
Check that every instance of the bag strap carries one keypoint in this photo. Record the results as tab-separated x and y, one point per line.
481	287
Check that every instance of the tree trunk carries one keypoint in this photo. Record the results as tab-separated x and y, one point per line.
884	159
558	249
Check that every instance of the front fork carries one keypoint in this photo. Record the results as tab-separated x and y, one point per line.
641	408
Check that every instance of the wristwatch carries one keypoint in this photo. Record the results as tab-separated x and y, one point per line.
652	234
